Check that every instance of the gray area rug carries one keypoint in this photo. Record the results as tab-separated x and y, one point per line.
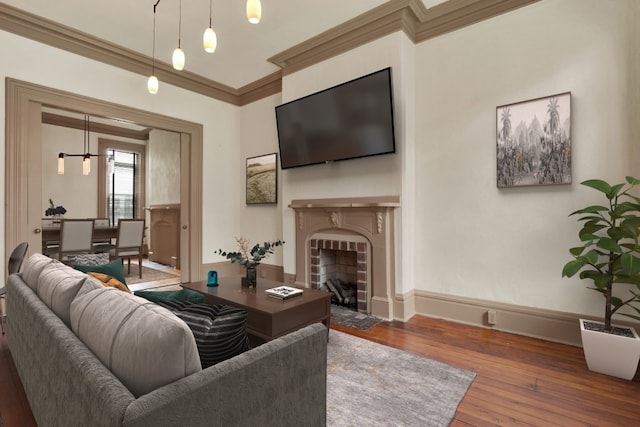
148	275
369	384
352	319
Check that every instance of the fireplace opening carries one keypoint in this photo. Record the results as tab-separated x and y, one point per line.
338	275
341	268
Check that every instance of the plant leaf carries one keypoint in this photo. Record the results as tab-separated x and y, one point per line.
630	264
609	245
572	267
633	181
597	184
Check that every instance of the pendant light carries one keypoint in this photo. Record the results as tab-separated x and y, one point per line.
86	155
254	11
178	54
86	159
209	39
152	83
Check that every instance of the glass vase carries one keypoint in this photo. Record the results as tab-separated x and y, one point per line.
251	277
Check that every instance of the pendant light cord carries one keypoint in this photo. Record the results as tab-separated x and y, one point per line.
153	63
179	23
210	12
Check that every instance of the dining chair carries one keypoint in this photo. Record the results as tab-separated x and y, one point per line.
13	266
76	237
101	245
50	246
129	242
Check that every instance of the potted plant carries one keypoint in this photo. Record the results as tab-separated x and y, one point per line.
56	211
250	258
610	258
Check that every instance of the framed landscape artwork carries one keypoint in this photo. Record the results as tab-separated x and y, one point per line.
262	180
533	141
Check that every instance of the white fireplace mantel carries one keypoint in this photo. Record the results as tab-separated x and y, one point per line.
369	217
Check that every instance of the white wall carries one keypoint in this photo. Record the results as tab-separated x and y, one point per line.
43	65
509	245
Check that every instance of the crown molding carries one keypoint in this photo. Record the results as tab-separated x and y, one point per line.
456	14
408	16
66	38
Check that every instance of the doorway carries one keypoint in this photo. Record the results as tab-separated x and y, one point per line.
23	186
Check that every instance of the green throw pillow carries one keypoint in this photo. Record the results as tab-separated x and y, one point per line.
184	295
114	269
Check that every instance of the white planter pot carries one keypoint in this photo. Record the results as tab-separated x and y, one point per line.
610	354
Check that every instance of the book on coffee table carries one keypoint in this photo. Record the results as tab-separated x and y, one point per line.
283	292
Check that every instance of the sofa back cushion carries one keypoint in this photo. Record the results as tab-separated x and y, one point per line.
144	345
57	287
55	283
33	267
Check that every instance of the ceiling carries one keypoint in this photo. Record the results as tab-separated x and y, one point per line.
244	49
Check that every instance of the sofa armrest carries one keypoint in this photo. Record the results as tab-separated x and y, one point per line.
282	382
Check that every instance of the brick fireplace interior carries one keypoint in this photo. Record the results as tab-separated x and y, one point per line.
335	257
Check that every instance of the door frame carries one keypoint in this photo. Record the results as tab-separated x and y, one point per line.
20	94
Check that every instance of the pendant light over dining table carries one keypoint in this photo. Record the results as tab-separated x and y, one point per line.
209	38
86	155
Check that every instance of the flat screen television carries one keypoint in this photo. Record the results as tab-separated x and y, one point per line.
347	121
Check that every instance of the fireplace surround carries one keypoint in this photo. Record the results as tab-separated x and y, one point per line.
373	219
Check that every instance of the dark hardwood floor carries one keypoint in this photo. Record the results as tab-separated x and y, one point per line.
520	381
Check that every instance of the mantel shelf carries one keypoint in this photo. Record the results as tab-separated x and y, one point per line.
352	202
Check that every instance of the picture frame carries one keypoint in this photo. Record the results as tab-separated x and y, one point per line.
533	142
262	179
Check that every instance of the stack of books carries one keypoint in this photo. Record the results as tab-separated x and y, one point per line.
283	292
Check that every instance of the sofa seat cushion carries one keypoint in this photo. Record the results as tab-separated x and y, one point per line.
220	331
144	345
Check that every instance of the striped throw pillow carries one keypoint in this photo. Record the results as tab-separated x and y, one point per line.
219	330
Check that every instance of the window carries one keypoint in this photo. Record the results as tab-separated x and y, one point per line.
122	193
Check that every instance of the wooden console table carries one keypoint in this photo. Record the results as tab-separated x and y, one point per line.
269	317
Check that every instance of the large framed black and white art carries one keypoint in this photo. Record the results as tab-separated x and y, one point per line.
533	140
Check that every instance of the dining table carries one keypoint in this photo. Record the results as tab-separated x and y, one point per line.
51	233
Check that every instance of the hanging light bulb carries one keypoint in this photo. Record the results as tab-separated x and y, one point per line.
152	83
209	39
61	164
254	11
110	165
178	55
178	59
86	164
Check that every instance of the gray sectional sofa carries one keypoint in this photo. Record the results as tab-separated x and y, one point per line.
136	364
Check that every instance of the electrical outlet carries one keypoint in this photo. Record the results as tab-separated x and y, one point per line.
491	317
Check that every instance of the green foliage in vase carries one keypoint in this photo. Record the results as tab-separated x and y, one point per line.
54	210
250	257
610	252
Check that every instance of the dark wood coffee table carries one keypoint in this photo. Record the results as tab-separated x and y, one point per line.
268	318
